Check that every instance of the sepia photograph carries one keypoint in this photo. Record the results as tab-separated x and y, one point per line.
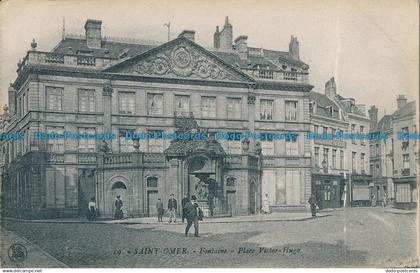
209	134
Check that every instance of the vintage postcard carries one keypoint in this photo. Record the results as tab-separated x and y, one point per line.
209	134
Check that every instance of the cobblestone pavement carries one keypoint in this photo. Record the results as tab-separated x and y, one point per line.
349	237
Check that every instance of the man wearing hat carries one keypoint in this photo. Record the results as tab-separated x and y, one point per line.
192	215
159	207
172	207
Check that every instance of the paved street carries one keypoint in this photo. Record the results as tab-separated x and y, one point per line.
348	237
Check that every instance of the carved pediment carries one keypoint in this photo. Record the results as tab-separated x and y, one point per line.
180	58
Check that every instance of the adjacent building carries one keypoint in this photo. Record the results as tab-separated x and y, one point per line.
92	86
340	165
395	160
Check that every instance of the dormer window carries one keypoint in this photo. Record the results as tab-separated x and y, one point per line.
312	107
84	52
330	110
284	67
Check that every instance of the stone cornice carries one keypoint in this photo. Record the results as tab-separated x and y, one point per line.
88	73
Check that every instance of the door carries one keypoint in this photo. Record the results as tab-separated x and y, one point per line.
86	190
252	198
119	189
152	198
231	202
328	194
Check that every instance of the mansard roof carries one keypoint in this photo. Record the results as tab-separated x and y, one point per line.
384	124
322	102
112	49
406	110
108	48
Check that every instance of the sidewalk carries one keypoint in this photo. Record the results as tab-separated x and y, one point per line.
35	258
400	211
273	217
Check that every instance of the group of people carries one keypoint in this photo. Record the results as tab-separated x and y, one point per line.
92	210
190	212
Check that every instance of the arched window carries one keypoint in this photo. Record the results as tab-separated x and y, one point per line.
152	182
119	185
230	182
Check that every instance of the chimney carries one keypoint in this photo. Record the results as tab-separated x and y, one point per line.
12	100
226	36
241	46
93	33
216	38
294	47
373	116
401	101
330	88
189	34
362	108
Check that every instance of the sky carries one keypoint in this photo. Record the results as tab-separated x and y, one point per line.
370	47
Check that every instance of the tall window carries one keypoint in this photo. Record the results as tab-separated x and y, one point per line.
362	162
316	129
266	109
233	108
234	146
155	144
334	158
86	100
267	146
54	98
341	159
87	144
292	146
208	107
362	131
182	104
155	104
316	156
55	145
126	144
353	161
291	110
126	102
325	130
406	161
325	157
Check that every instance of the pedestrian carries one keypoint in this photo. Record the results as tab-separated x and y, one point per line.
385	201
312	202
373	200
266	204
184	201
172	207
192	215
92	209
160	210
118	208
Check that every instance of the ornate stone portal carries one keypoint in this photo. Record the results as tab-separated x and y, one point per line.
201	163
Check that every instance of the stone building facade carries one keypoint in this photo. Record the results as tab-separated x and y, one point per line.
340	165
396	160
95	86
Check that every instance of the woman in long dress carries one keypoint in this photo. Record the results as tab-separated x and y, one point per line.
265	204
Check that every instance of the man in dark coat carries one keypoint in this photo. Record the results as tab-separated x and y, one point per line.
118	209
191	210
159	207
312	202
172	207
184	201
